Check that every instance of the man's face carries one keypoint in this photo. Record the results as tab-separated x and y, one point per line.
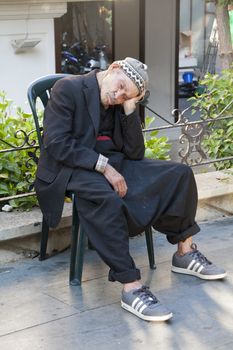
117	88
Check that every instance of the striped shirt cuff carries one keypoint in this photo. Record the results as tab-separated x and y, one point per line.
101	164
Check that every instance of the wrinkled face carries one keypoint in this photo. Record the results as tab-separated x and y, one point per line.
117	88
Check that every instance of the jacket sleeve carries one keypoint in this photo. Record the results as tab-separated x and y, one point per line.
133	141
59	139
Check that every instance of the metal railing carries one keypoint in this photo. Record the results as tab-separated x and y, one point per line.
193	134
27	144
191	139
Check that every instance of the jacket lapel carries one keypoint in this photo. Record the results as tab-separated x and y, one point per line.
91	91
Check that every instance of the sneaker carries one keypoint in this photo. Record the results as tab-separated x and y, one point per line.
196	264
142	303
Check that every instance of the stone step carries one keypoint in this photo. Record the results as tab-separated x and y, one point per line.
215	195
20	224
19	231
214	184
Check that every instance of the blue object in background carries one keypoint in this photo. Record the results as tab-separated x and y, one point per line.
188	77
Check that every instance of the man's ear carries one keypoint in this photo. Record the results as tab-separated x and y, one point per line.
114	65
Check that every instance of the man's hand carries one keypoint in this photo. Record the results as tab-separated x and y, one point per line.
130	105
116	180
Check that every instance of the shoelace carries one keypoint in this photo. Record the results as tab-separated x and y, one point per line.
199	256
145	295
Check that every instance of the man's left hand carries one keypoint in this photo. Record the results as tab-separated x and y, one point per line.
130	105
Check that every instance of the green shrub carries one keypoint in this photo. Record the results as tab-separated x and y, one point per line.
217	98
14	166
156	147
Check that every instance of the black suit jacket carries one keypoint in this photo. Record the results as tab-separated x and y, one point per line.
71	124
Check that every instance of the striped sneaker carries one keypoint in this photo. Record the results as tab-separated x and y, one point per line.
142	303
196	264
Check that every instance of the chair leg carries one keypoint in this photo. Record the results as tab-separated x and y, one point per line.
44	240
150	247
77	250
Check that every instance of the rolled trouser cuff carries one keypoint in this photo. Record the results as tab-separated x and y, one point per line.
179	237
124	277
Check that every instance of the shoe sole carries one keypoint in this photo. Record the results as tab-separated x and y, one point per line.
146	317
197	274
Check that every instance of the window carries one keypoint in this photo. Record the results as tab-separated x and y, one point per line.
85	37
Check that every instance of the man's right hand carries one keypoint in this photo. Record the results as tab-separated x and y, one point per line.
116	180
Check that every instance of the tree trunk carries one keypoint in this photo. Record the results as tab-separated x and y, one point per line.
224	33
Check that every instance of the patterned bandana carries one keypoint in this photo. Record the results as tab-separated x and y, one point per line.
136	71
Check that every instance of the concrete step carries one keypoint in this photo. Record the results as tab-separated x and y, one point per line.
20	224
20	230
215	195
215	191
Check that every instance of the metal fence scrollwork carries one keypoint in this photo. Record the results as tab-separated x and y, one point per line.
193	134
193	152
28	142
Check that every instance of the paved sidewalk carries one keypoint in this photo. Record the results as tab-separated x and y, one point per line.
39	310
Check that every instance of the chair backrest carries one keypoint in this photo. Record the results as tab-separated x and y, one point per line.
41	88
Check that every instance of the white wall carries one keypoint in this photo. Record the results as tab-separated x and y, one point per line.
19	69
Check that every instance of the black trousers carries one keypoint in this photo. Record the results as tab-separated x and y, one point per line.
160	193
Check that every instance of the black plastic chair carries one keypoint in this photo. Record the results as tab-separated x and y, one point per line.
41	88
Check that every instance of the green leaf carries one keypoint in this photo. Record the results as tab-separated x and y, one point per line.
13	169
218	96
